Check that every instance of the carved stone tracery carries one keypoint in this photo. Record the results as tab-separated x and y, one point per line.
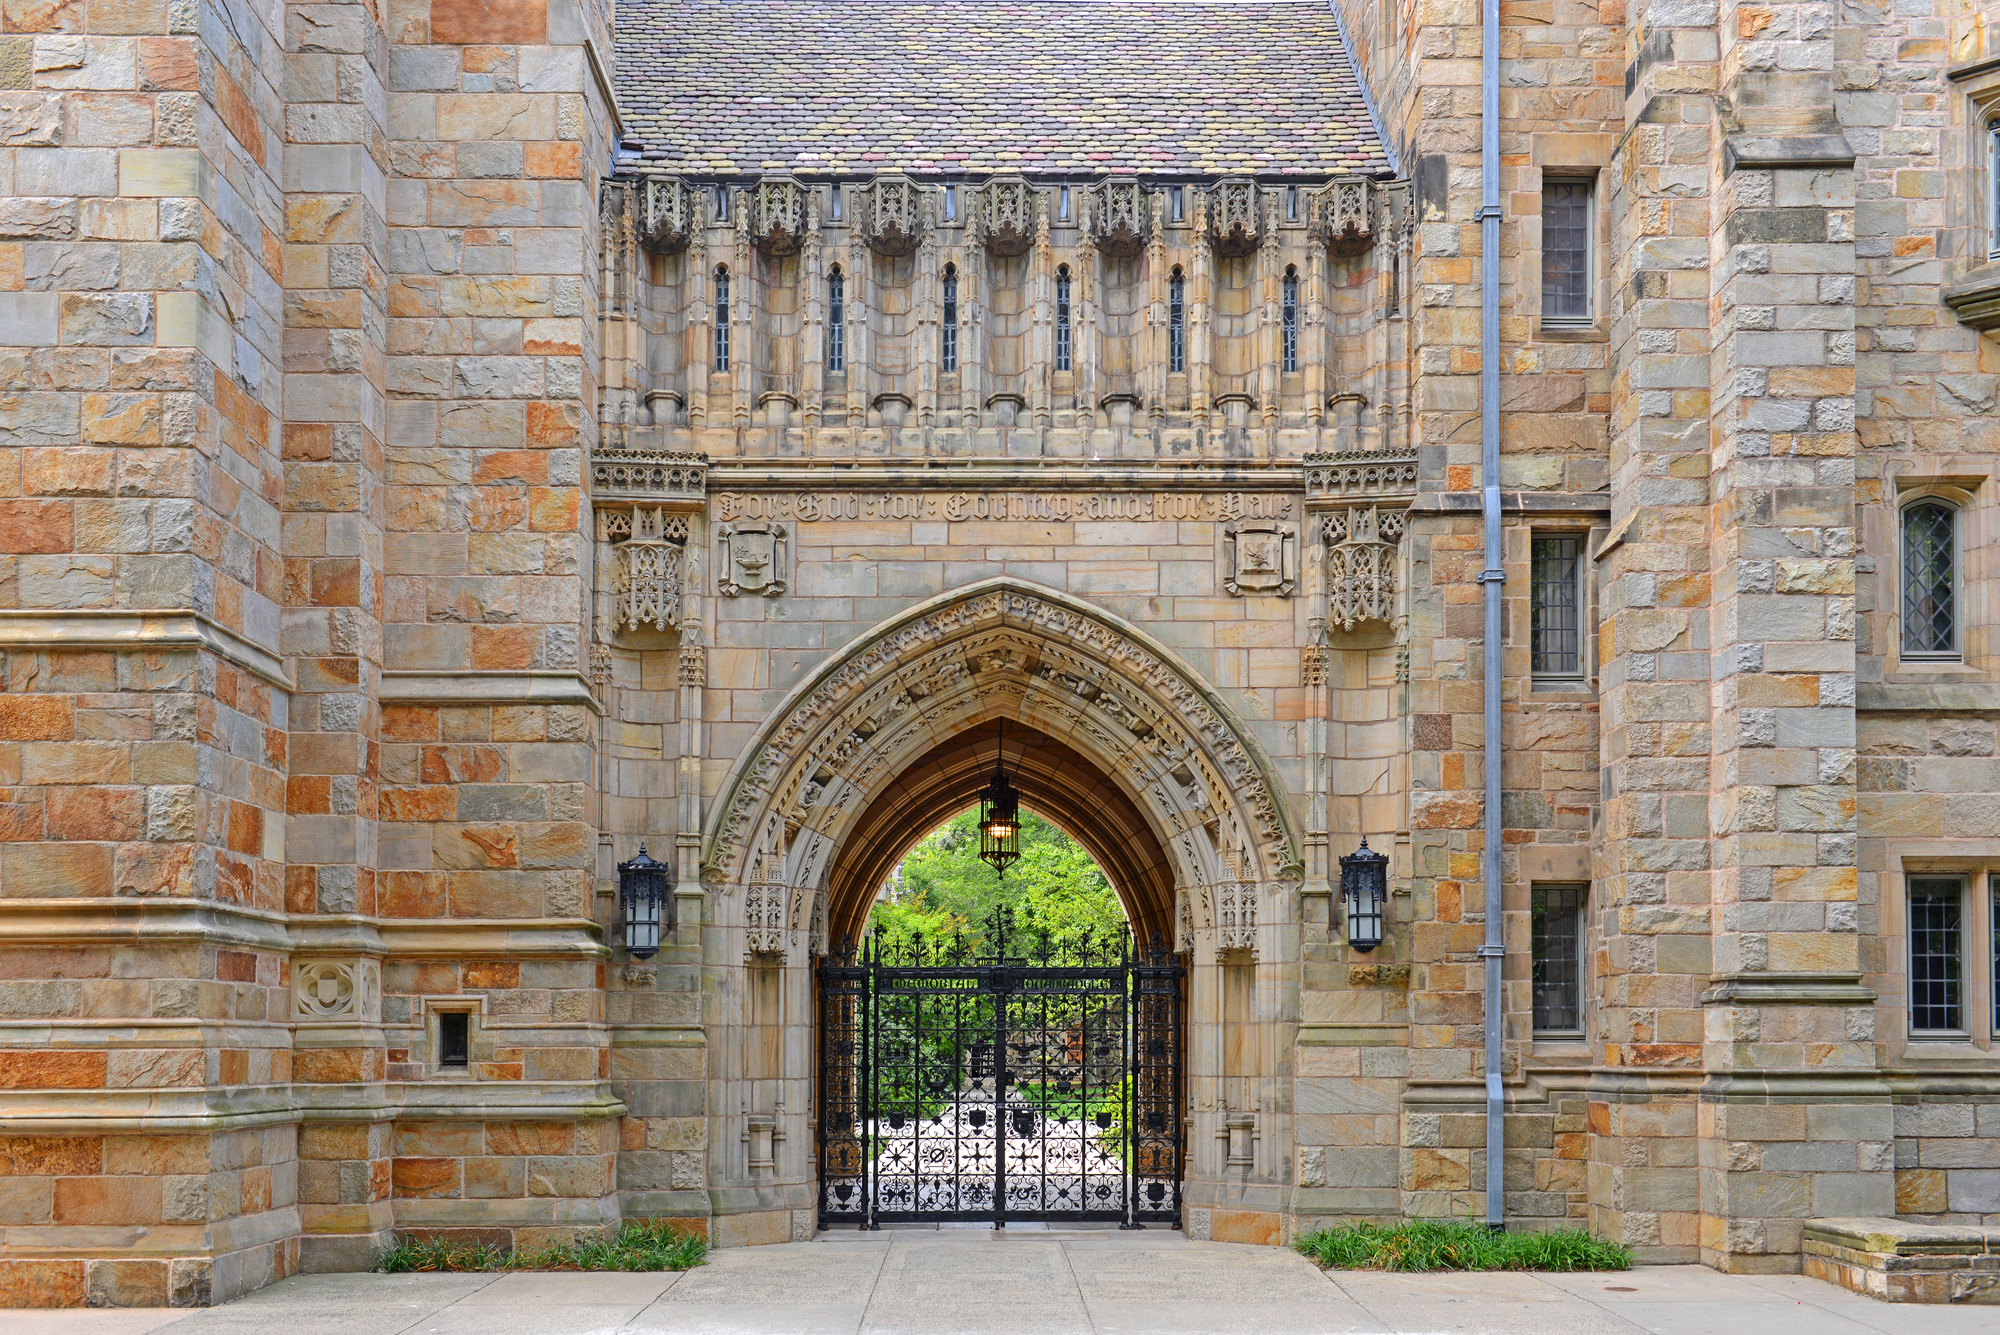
892	214
1067	666
1343	215
1233	217
670	212
1118	217
775	213
1361	561
1002	215
649	544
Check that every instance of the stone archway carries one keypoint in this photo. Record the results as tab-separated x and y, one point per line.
895	699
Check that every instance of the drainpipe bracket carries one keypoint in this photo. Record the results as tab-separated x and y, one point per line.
1486	211
1493	952
1490	577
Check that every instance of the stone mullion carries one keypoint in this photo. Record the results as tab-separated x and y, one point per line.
812	320
859	273
746	306
1270	332
1315	342
700	326
1042	345
1200	288
928	324
1088	265
1158	271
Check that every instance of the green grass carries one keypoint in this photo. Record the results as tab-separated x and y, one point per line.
1441	1244
641	1245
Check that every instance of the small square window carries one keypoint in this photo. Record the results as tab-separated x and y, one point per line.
454	1037
1567	223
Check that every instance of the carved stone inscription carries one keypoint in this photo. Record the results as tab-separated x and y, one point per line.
811	507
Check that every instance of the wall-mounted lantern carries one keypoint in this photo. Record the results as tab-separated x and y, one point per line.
1364	889
646	893
1000	815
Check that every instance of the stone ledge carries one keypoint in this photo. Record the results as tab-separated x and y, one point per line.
1749	152
1946	697
135	629
468	686
1903	1262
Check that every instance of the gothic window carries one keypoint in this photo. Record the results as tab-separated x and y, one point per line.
1291	203
1177	323
1930	580
1062	203
1556	940
836	322
1062	319
1291	318
1177	202
1556	587
833	204
1993	189
951	203
950	351
1937	955
721	317
1566	228
722	203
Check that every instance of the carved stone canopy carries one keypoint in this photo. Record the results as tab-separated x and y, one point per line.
669	212
1343	215
776	213
1118	217
1361	560
1234	217
1002	215
891	213
649	544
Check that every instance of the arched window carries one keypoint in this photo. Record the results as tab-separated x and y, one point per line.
722	317
950	350
1993	189
1291	318
836	322
1177	323
1062	319
1930	580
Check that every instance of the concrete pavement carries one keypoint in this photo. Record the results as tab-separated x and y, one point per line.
1030	1282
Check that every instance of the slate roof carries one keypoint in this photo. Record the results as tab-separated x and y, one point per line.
1194	87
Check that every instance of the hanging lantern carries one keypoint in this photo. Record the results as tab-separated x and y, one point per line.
1364	888
1000	817
647	896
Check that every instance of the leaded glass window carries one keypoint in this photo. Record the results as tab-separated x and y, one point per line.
721	319
950	319
836	323
1555	588
1566	253
1937	949
1930	580
1062	320
1291	319
1556	939
1993	190
1177	323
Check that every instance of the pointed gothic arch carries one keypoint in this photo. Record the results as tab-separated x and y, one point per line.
1002	648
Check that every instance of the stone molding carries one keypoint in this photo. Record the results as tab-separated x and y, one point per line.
471	686
120	629
1949	697
1103	682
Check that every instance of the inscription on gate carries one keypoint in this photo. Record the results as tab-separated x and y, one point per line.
1011	1075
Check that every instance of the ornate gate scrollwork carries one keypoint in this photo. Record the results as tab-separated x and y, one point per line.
1010	1075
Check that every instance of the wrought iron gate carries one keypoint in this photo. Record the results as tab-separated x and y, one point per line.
1011	1076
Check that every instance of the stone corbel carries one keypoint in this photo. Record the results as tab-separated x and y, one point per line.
1363	549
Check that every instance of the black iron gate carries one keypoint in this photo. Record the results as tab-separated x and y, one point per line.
1012	1075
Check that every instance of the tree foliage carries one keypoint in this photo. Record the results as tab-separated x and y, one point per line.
1055	885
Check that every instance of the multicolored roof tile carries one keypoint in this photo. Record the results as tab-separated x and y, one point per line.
975	87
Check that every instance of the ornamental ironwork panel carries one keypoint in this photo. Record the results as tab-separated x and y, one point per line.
1004	1074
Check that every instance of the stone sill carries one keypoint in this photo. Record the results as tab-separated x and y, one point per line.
1961	697
1975	299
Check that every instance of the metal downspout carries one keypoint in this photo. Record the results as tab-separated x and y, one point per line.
1493	952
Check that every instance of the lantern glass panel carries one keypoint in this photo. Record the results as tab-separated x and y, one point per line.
1364	886
647	897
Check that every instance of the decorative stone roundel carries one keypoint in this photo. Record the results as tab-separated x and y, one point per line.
326	990
1000	647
